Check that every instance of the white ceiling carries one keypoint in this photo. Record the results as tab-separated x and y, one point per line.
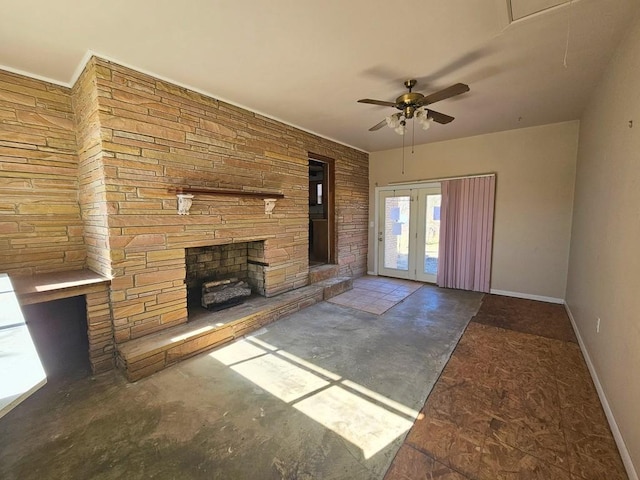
306	62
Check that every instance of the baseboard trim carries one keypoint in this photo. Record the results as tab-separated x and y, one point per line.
528	296
617	436
373	274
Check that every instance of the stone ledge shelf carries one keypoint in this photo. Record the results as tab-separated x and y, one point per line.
185	197
45	287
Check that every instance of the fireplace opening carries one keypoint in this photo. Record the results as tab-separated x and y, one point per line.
221	276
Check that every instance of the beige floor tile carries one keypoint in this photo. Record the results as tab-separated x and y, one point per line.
375	294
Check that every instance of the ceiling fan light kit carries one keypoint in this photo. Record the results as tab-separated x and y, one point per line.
398	122
413	105
393	121
424	119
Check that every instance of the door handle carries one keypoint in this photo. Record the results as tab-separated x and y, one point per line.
380	236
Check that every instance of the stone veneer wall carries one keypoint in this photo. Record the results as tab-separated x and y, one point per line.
136	137
40	225
100	331
92	188
156	135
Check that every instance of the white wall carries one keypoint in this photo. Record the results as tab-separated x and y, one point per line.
534	197
604	268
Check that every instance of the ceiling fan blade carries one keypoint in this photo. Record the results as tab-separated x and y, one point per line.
439	117
377	102
378	126
448	92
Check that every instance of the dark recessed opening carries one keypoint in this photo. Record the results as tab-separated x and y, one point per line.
318	213
59	332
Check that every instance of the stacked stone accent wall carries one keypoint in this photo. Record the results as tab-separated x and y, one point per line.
92	188
100	331
40	225
102	200
156	135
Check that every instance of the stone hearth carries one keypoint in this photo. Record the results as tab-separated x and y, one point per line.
205	330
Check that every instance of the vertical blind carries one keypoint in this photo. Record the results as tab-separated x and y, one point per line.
466	233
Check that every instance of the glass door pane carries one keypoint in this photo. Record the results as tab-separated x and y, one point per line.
396	231
428	236
394	238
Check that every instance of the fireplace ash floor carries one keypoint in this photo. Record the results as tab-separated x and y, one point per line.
327	392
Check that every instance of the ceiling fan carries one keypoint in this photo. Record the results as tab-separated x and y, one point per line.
414	104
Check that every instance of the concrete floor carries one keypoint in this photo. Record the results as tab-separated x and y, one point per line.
326	393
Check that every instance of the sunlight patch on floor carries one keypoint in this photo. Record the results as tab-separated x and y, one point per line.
279	377
365	418
237	352
354	418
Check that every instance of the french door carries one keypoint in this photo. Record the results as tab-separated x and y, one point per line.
409	232
394	242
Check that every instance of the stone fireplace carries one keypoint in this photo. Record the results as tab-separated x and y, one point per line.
242	260
117	148
94	195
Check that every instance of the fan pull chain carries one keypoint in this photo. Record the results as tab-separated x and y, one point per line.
402	154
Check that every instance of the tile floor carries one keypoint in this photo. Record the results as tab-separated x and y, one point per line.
515	401
376	294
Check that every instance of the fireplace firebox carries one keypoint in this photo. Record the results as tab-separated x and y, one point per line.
220	276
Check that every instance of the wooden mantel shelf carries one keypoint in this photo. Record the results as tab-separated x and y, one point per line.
220	191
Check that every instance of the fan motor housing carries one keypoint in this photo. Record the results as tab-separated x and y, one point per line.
410	98
408	103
